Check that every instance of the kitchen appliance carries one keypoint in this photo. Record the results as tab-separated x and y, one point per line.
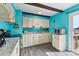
60	31
2	39
56	31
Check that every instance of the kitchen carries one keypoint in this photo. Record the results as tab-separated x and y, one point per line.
36	29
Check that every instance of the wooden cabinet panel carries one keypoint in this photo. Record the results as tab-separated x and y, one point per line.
37	22
31	40
36	38
59	42
62	39
25	40
44	38
25	22
45	23
30	22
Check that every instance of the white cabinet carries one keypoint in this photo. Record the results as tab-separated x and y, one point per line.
36	22
36	38
29	22
59	42
25	40
44	38
31	39
25	22
45	23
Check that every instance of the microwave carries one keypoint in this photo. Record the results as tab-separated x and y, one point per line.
60	31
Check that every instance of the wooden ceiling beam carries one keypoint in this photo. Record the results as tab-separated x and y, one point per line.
45	7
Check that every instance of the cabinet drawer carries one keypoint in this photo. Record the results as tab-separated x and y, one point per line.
31	44
25	39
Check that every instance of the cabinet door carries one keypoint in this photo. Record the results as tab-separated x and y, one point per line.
36	22
46	37
31	39
45	23
25	40
25	22
55	41
42	23
62	42
43	38
30	22
36	38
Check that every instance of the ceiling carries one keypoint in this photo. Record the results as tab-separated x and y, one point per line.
42	11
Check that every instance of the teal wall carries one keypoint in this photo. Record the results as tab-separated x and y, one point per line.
62	21
19	22
4	25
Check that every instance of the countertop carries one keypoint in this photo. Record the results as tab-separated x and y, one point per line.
7	49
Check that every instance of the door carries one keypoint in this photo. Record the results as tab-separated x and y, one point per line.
74	31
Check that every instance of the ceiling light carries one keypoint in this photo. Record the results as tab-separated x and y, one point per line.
39	12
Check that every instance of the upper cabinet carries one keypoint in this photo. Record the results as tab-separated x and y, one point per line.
7	12
25	22
30	22
36	22
45	23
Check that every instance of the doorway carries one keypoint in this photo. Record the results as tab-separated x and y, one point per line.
74	32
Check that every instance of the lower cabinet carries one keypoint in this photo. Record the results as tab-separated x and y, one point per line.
36	38
59	42
31	39
44	38
25	40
